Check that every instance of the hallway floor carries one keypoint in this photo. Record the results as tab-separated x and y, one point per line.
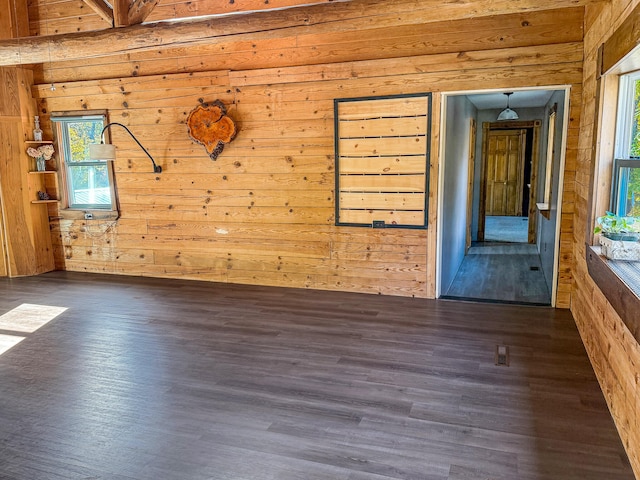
505	272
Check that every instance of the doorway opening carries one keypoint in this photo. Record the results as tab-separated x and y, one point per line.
500	246
508	181
506	229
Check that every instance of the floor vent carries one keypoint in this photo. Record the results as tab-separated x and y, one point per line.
535	269
502	355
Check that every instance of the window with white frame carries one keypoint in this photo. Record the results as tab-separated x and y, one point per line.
625	195
88	184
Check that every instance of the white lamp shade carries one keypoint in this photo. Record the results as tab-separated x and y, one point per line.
508	114
105	152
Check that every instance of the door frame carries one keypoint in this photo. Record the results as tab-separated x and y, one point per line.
4	258
532	216
470	176
440	162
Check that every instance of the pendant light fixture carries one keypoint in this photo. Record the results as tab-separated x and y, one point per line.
507	113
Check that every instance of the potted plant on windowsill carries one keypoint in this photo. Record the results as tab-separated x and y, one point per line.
620	236
618	228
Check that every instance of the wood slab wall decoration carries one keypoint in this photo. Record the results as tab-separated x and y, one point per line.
210	126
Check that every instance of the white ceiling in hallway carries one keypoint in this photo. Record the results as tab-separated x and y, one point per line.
519	99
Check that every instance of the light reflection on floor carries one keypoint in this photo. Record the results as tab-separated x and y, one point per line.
8	341
25	318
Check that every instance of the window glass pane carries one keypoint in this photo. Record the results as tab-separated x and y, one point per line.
89	185
81	134
629	188
625	199
634	149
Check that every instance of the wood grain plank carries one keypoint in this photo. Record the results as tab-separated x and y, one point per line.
385	201
383	183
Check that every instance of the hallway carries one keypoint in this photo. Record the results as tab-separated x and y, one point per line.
503	272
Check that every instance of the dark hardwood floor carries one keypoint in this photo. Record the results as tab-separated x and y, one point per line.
165	379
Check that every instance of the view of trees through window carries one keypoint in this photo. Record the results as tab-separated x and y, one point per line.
633	174
635	127
88	181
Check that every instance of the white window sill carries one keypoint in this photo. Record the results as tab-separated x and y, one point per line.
73	214
544	209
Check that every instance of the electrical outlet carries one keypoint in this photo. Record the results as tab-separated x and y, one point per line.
88	216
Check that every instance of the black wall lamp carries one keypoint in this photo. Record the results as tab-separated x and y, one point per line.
107	151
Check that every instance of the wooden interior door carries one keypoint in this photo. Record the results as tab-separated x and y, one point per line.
504	172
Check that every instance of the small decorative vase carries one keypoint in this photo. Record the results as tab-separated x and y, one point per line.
41	164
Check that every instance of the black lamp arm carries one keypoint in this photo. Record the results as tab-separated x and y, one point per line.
156	168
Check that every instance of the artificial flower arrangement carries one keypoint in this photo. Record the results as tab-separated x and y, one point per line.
41	154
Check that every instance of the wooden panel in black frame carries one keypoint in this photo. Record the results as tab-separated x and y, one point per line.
382	151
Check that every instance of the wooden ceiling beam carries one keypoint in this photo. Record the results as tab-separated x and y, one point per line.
14	21
123	14
246	27
102	9
120	13
140	10
139	38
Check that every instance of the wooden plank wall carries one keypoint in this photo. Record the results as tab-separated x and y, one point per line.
263	212
614	352
26	240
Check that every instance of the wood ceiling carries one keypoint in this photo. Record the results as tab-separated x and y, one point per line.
64	30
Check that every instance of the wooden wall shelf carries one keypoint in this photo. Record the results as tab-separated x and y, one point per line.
44	181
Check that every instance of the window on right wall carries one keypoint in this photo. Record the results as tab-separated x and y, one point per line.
615	178
625	191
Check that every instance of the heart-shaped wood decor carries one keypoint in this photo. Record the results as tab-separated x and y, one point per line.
210	126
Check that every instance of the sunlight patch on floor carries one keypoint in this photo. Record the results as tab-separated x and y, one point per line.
29	317
8	341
